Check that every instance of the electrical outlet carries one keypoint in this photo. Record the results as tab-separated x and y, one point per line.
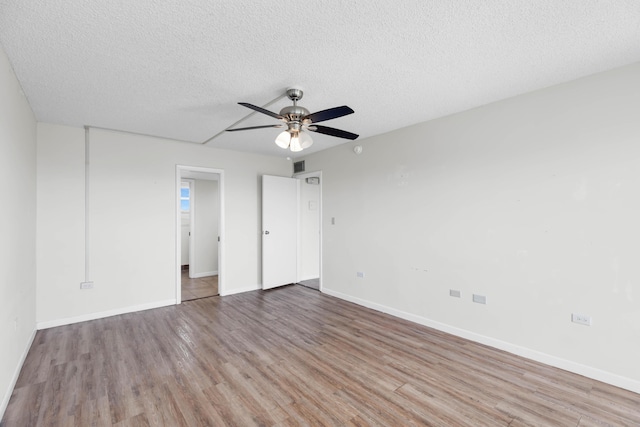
86	285
454	293
581	319
360	275
480	299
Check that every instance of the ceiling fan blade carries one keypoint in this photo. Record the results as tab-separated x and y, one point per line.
261	110
332	131
331	113
255	127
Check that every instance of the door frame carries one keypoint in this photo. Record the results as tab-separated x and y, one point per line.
303	175
180	169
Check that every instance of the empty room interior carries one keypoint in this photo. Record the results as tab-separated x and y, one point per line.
321	213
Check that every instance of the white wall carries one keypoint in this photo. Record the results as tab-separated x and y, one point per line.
132	220
61	225
17	229
533	202
206	210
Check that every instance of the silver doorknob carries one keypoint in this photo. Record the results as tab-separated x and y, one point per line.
266	232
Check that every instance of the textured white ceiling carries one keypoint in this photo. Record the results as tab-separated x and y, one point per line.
177	68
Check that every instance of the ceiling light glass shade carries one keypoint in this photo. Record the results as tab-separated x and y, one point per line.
305	140
295	143
283	139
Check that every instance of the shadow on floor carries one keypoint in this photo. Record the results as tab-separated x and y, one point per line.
311	283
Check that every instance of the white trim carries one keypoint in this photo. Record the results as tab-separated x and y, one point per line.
178	243
87	205
16	374
221	229
192	227
221	234
321	233
298	229
242	290
547	359
299	176
204	274
102	314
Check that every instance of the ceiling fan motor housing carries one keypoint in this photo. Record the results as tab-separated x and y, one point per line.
293	114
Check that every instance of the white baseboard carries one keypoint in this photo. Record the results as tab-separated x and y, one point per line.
16	374
102	314
240	290
547	359
204	274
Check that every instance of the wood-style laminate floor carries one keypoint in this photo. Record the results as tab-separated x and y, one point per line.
292	356
201	287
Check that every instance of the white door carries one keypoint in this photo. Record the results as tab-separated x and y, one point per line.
279	231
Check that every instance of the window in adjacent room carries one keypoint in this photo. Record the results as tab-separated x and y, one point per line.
185	197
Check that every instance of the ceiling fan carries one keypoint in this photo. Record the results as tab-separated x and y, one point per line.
298	121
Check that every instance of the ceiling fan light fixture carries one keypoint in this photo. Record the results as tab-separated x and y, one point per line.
295	143
305	140
294	140
283	139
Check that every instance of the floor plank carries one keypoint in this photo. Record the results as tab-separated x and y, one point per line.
292	356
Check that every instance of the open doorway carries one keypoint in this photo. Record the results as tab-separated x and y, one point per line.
310	229
200	229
